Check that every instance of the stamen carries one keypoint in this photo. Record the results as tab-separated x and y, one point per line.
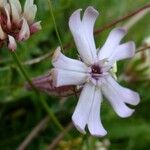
96	69
96	72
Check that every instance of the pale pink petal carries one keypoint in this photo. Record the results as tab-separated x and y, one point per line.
29	11
28	4
81	114
3	3
12	43
7	10
17	4
2	33
61	61
94	122
15	13
111	43
123	51
65	77
24	33
82	32
35	27
115	97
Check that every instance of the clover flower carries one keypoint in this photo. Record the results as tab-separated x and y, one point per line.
94	72
15	24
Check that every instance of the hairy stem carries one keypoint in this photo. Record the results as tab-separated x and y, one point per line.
43	102
55	26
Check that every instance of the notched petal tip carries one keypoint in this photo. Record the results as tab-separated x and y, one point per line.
112	42
76	12
132	47
74	17
97	130
126	113
78	127
99	134
92	11
133	98
137	99
120	30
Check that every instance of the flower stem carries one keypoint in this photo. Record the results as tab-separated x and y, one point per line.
43	102
55	26
17	61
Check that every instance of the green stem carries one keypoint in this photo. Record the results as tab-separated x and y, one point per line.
43	102
16	59
53	18
4	68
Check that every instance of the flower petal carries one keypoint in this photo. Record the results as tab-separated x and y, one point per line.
127	95
117	98
111	43
24	33
3	3
82	32
94	123
82	110
62	62
2	33
44	83
7	11
35	27
15	11
17	4
66	77
12	43
29	11
28	4
123	51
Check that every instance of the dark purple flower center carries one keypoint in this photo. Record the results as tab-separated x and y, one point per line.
96	71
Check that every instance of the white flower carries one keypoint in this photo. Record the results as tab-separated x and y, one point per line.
94	72
16	24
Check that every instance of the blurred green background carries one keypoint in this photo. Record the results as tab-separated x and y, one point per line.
21	110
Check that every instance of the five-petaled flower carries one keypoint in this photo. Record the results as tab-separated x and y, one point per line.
94	72
16	24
